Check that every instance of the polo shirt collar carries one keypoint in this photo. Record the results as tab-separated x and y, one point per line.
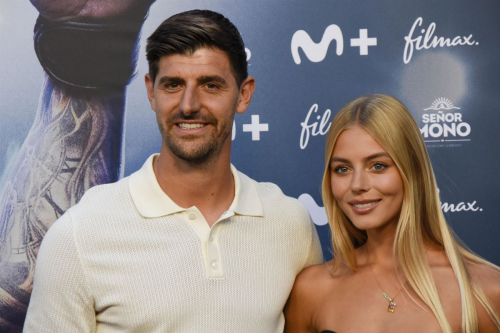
151	201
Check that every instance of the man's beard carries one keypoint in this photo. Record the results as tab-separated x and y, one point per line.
203	152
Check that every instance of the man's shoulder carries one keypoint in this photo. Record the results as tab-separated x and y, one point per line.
104	213
101	202
87	215
104	193
274	201
271	191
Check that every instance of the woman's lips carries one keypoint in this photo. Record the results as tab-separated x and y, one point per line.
364	207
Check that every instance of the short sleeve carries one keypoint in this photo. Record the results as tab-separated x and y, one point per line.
315	254
60	301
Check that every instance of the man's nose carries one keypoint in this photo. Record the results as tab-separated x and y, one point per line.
190	101
360	182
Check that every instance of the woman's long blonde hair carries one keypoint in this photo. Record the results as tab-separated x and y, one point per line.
421	222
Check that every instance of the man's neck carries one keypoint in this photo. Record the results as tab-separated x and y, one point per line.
210	187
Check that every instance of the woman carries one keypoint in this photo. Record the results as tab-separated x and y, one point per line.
397	266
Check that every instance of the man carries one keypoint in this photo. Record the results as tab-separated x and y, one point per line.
187	243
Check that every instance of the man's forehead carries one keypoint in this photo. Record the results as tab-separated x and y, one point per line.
200	57
202	62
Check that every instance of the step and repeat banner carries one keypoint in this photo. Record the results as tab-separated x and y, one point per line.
89	122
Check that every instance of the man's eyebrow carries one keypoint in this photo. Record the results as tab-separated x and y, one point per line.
211	78
368	158
170	79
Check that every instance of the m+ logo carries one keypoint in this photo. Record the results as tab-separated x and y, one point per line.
363	42
255	127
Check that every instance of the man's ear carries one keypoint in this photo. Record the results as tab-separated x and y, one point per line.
246	92
150	90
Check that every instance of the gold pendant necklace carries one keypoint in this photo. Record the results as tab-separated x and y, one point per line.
392	305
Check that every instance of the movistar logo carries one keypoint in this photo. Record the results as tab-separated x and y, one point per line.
316	52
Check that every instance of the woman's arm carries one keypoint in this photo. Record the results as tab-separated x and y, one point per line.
303	301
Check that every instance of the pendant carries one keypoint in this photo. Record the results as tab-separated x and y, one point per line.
391	307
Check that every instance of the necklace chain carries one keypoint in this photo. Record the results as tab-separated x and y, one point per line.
392	305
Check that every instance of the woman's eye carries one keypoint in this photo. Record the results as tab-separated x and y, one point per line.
341	169
379	166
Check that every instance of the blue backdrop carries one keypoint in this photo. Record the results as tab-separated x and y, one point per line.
309	59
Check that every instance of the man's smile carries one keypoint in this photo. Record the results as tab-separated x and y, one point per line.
188	126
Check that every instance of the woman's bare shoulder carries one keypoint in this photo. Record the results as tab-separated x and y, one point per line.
309	293
312	275
315	279
487	277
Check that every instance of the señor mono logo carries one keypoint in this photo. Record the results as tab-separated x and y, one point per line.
442	124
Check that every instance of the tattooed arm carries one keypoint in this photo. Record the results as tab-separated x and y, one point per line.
74	144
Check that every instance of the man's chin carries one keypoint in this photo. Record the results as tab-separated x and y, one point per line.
196	155
196	150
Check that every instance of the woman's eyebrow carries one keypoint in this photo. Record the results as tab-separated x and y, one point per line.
371	157
339	159
376	155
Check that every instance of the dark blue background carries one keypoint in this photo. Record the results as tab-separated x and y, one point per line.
466	75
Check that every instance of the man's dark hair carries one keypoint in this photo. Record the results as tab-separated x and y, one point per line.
186	32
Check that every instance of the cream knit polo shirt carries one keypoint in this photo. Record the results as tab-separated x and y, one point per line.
128	259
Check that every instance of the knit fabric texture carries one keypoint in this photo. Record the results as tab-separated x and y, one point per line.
103	267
